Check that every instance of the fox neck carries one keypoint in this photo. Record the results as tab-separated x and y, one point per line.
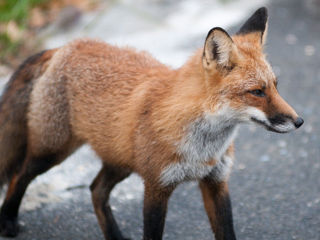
209	136
197	120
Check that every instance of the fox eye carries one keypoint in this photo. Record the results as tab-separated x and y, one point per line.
258	93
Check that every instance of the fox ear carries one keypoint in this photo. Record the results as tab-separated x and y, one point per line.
257	23
218	49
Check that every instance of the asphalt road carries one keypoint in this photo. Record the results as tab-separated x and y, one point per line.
275	185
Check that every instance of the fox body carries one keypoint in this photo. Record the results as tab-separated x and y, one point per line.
167	125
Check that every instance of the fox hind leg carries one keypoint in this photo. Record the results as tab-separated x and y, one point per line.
32	167
101	188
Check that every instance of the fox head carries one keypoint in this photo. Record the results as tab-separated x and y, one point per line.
236	69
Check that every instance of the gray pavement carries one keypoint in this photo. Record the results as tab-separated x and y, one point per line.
275	185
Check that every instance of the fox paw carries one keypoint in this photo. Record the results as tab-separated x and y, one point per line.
8	228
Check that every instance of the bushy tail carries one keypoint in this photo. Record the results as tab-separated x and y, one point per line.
13	113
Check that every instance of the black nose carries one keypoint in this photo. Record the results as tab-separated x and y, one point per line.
299	121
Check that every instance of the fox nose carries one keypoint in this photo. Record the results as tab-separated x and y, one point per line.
298	122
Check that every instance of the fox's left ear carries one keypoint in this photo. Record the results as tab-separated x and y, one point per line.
257	24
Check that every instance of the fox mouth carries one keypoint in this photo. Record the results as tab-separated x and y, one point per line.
269	127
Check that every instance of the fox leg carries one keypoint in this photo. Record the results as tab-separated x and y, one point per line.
32	167
218	206
155	209
101	188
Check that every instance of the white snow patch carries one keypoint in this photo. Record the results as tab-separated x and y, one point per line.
170	39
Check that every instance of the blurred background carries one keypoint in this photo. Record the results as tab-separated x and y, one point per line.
275	184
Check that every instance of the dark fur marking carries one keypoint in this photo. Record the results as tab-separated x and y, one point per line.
23	70
9	228
279	119
13	110
101	188
262	123
215	51
256	23
155	209
224	214
219	208
154	219
229	68
33	167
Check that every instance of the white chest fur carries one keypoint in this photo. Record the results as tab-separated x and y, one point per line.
207	138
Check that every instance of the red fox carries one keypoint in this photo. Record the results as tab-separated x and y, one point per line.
138	115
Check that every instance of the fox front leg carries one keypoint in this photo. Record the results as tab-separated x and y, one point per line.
154	210
218	207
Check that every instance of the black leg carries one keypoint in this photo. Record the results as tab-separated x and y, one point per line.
218	206
33	166
155	209
101	188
